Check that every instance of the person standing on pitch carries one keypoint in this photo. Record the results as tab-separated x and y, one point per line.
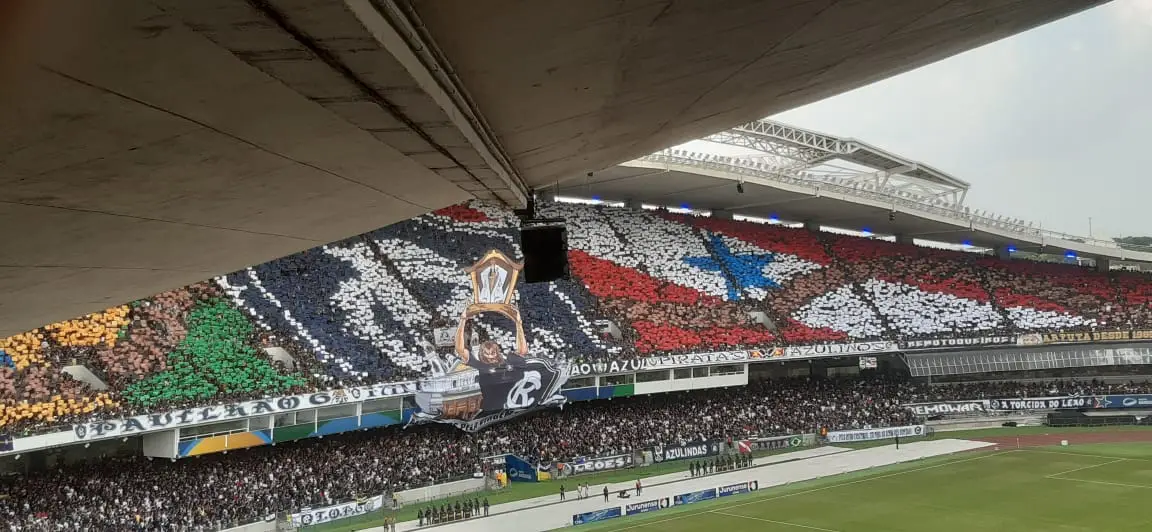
605	493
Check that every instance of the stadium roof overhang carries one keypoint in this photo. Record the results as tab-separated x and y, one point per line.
678	178
149	144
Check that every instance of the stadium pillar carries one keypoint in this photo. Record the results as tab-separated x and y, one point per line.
633	204
812	226
722	214
1103	264
1003	253
902	238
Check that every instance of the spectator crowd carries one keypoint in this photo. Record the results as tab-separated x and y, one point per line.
643	283
200	494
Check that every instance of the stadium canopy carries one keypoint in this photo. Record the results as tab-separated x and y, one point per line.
149	144
786	173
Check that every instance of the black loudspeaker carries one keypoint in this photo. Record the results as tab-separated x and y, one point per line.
545	253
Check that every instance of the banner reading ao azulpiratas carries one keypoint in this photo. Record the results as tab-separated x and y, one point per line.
847	436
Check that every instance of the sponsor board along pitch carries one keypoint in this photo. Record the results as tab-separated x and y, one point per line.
1078	488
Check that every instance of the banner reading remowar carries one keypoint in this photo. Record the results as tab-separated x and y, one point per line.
480	384
847	436
948	408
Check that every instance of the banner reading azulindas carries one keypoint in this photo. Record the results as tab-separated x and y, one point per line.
846	436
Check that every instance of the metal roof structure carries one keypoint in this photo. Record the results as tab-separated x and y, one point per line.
795	175
816	156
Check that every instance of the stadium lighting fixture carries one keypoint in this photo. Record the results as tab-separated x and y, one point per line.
774	219
685	206
1070	254
595	198
866	231
966	243
1011	248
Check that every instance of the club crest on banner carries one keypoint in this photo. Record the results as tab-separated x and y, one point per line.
479	384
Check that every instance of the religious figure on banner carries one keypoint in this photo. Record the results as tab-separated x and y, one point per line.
479	383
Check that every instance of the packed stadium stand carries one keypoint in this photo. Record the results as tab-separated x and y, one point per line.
111	494
362	310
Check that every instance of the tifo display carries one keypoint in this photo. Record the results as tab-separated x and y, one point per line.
365	310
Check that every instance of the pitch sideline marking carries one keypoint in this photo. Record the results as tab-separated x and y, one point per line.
785	523
1093	466
1120	484
1045	451
822	488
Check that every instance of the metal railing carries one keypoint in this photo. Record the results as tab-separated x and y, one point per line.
889	196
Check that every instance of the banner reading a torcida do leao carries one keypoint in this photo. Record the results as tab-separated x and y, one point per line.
480	384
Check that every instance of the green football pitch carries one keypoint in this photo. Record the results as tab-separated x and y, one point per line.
1101	487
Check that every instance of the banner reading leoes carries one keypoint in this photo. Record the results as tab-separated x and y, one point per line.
336	512
596	465
847	436
948	407
480	384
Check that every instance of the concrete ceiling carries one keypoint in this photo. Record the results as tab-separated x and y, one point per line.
150	144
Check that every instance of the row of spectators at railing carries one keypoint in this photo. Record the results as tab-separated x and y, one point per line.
1014	389
243	486
364	311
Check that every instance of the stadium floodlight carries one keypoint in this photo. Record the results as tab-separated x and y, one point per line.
739	187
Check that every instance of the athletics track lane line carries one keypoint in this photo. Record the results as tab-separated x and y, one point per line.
785	523
814	490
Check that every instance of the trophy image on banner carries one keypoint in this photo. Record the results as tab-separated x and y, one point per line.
482	384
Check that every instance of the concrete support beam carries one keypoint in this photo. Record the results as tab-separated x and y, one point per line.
1003	253
1103	264
633	204
721	214
902	238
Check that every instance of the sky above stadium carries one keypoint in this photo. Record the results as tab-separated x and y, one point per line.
1053	125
